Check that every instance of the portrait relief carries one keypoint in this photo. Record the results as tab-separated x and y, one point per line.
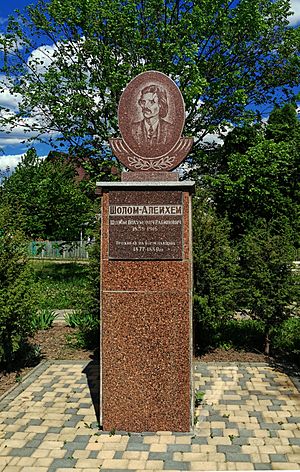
151	115
153	129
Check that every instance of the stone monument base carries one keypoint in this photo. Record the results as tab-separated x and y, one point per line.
146	305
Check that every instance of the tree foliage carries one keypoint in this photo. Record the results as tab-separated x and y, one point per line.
224	55
16	295
283	124
268	286
258	174
254	184
215	267
46	196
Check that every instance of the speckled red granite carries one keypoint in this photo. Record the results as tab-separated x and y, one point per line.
130	113
146	338
146	369
139	149
124	275
149	176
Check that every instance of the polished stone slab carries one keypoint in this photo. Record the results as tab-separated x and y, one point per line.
146	307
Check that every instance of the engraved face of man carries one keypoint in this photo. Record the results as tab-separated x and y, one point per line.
153	102
150	105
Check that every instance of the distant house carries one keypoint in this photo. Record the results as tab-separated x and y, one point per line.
80	172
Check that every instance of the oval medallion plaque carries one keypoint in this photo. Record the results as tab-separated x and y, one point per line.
151	117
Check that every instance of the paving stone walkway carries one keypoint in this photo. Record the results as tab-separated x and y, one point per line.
249	419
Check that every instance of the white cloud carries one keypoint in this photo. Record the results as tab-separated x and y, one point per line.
295	7
7	99
22	132
22	129
12	44
41	58
12	161
212	139
216	138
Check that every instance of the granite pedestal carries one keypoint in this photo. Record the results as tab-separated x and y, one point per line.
146	306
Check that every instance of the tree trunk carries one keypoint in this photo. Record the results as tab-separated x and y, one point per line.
267	343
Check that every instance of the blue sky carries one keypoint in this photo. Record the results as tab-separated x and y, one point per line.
11	146
7	7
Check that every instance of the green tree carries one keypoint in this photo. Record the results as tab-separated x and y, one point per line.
240	139
86	318
215	268
258	176
50	201
268	286
283	124
224	55
255	184
17	308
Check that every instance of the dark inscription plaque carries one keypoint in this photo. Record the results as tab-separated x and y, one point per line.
145	225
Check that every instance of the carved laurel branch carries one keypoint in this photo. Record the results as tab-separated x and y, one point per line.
167	162
142	164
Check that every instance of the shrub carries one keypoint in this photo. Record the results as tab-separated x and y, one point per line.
87	335
215	268
86	317
268	287
244	334
44	319
16	297
286	338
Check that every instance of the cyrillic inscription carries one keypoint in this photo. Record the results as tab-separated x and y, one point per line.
151	229
145	210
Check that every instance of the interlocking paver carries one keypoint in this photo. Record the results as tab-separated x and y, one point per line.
248	420
158	447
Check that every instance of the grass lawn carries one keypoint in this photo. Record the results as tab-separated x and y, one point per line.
59	285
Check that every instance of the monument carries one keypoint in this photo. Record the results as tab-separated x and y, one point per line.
146	266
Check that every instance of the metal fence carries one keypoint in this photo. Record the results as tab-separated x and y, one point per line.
79	250
59	250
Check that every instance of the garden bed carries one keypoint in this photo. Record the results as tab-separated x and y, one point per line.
54	344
